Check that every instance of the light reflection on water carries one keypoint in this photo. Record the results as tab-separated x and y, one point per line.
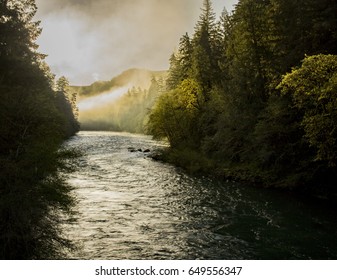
132	207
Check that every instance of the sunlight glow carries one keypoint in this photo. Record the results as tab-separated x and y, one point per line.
107	37
102	99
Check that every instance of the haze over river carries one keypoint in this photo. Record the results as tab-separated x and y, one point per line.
132	207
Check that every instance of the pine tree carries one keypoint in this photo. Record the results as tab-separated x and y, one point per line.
204	61
180	63
18	34
32	127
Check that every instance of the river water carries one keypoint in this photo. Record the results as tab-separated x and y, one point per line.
132	207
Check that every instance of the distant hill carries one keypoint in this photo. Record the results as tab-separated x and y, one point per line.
121	104
133	77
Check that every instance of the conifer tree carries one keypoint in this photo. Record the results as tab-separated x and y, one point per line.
204	63
32	128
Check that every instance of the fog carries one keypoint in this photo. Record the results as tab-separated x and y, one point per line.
88	40
102	99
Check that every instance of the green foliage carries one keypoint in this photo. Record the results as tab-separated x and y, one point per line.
175	112
180	63
204	59
34	201
189	159
66	103
128	113
280	154
33	123
241	121
313	87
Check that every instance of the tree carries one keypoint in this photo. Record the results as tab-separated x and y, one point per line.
313	88
32	128
249	44
175	72
175	113
302	28
66	102
205	66
251	119
180	63
18	35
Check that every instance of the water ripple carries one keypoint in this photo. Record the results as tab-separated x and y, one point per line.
131	207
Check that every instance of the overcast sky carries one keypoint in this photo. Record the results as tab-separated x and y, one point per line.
86	40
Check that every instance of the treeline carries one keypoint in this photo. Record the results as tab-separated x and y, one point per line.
253	95
135	76
36	115
129	113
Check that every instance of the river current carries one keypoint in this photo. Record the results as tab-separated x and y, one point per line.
132	207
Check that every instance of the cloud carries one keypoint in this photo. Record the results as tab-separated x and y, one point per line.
105	37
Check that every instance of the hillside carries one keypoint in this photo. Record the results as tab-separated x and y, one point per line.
132	78
121	104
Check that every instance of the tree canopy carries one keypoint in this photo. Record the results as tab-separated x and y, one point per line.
263	82
34	120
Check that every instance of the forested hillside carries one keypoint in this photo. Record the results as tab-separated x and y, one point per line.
121	104
36	115
132	77
252	95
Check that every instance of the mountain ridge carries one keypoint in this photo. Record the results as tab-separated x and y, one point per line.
133	77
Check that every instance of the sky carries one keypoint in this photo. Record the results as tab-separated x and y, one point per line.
89	40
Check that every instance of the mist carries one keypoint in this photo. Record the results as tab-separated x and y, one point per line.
117	110
101	100
91	40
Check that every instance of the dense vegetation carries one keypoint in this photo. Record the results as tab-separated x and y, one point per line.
36	115
126	112
253	95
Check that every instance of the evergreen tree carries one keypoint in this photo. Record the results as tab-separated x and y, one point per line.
205	66
242	121
18	34
32	127
66	103
175	74
180	63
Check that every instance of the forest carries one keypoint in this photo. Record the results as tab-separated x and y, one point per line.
248	96
252	96
120	104
37	114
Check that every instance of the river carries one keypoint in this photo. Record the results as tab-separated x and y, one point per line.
132	207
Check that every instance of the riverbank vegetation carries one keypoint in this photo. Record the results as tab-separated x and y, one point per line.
252	96
36	115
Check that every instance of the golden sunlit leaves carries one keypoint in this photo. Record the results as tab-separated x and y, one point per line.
175	112
314	90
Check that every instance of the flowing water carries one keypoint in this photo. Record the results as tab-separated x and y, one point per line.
132	207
